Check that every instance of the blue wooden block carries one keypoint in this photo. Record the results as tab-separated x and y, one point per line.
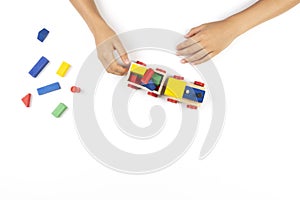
48	88
150	85
42	34
193	94
38	67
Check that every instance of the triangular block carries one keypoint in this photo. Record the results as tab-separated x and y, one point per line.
26	100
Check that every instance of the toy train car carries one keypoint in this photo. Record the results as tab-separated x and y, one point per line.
156	82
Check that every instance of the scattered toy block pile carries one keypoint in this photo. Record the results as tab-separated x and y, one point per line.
38	68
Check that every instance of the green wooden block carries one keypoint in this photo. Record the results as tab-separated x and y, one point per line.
156	78
59	110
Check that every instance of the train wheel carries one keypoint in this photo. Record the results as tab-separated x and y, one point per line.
140	63
199	83
178	77
152	94
161	70
192	107
132	86
172	100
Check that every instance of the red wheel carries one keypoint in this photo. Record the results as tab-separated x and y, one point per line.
172	100
140	63
199	83
152	94
192	107
161	70
178	77
132	86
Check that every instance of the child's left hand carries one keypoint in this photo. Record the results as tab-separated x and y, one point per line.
205	41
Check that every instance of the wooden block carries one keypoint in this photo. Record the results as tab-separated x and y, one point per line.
138	69
156	78
59	110
147	76
26	100
175	88
133	78
48	88
38	67
62	70
42	34
75	89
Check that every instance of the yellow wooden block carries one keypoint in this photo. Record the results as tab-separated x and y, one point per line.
62	70
175	88
135	68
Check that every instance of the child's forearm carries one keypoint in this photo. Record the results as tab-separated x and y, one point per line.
89	12
260	12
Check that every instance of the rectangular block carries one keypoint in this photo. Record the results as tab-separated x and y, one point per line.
59	110
133	78
147	76
38	67
48	88
138	69
150	85
157	78
175	88
62	70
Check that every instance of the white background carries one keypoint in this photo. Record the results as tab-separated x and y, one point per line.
42	157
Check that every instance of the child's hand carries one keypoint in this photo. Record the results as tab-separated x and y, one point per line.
205	41
108	42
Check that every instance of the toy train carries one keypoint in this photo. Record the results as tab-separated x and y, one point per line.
156	82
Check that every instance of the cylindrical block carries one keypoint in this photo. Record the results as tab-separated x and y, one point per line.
75	89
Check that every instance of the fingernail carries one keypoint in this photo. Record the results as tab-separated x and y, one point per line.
183	61
127	61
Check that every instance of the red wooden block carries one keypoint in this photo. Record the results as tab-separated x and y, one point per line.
140	63
152	94
75	89
178	77
147	76
133	78
172	100
26	100
161	70
192	107
199	83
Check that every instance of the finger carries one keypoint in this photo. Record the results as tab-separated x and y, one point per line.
117	69
187	43
193	31
121	51
204	59
113	72
190	50
197	56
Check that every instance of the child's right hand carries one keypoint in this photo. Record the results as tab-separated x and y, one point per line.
107	42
